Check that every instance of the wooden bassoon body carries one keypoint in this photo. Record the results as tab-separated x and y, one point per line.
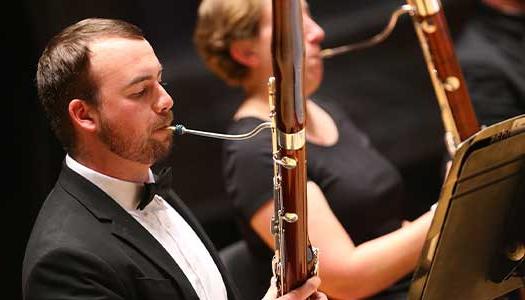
295	260
458	115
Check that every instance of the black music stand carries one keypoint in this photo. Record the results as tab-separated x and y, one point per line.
474	249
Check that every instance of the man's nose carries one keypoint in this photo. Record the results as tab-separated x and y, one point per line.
165	102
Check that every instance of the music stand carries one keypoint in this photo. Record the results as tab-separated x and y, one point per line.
475	245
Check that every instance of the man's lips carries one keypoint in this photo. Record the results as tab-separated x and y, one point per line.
164	127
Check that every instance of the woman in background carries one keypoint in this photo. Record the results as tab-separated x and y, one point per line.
354	193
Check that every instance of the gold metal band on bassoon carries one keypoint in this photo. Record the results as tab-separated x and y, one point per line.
425	7
291	141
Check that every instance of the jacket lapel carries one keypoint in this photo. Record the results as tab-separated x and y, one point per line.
124	226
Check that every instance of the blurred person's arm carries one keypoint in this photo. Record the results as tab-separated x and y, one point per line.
347	271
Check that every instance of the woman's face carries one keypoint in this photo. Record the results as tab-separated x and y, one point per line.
313	36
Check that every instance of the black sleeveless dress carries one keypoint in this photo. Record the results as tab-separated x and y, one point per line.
363	189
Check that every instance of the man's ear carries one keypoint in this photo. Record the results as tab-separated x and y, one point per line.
244	52
83	115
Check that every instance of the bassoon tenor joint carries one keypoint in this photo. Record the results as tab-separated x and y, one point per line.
295	259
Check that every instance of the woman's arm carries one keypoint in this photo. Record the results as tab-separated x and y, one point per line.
347	271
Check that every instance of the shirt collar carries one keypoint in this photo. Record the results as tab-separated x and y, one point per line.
125	193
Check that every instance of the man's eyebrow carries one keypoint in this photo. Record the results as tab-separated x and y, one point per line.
143	78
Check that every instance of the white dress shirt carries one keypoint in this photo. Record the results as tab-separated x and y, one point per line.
167	226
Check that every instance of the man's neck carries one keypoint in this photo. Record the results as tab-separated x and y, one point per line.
116	167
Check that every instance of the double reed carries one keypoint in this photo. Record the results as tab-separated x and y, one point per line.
449	84
295	260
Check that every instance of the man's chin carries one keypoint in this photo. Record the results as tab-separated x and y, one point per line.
162	150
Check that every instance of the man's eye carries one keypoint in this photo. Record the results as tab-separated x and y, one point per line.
139	94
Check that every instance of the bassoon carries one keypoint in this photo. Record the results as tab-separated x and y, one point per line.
449	84
295	260
459	118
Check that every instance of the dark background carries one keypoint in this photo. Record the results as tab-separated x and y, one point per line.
385	89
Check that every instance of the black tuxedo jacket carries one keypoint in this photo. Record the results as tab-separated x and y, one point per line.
85	246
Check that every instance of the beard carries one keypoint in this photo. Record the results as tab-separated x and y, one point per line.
136	146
